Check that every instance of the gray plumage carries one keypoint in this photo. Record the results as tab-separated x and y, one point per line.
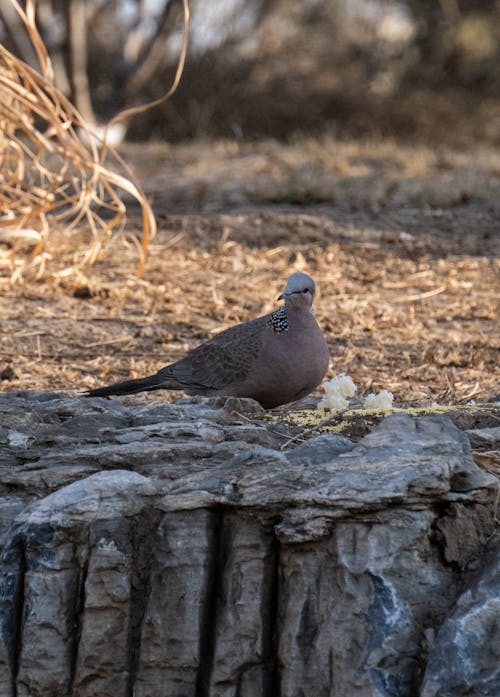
275	359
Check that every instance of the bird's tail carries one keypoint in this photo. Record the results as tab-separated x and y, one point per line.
153	382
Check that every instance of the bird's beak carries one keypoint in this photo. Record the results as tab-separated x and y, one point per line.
282	296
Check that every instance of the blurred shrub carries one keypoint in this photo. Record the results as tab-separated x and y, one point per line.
275	67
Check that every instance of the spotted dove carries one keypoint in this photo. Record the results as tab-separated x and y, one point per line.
275	359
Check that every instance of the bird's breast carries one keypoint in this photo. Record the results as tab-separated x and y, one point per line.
299	354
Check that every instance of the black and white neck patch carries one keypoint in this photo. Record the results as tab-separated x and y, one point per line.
279	320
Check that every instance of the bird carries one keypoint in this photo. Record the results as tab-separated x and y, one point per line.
275	359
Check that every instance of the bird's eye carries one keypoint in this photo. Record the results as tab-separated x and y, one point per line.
305	290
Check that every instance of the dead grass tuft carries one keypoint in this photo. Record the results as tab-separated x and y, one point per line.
59	183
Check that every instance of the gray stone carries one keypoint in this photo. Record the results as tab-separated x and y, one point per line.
320	449
166	550
486	438
465	656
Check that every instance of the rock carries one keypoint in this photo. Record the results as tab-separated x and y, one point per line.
465	656
320	449
174	549
485	438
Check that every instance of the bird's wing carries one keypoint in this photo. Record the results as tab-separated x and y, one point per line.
224	360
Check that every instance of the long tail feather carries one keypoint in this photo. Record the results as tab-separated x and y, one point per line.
153	382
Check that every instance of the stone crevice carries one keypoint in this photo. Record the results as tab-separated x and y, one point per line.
18	610
214	580
270	623
78	613
145	536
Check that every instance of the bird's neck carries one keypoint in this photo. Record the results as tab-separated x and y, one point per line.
294	308
288	313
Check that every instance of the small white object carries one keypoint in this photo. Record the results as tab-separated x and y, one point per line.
113	134
338	391
383	400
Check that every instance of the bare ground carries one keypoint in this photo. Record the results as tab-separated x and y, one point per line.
403	243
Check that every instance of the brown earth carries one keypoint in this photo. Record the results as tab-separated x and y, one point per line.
403	243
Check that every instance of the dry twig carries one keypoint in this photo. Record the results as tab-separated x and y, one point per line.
59	182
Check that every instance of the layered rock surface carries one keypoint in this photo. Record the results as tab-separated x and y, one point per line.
170	550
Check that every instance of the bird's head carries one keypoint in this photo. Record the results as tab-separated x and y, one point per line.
299	290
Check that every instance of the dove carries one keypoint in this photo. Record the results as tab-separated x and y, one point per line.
275	359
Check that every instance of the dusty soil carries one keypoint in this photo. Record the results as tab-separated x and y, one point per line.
403	243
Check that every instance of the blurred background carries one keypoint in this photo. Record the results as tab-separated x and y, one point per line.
356	140
411	69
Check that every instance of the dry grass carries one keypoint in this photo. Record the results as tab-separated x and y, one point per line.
55	189
408	297
61	185
402	241
312	171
